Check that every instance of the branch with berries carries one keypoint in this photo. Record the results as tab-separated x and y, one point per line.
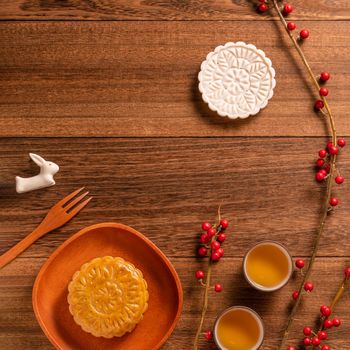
211	241
326	163
315	338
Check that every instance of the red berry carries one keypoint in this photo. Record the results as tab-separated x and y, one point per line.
300	263
263	7
218	288
262	1
208	335
333	202
215	245
202	251
322	153
325	310
324	171
341	142
287	9
316	341
211	232
333	150
221	237
327	168
204	238
336	322
307	341
319	105
199	275
322	335
215	256
347	272
339	179
320	176
292	348
329	145
325	76
328	324
295	295
325	347
307	330
324	91
206	226
308	286
304	34
220	251
291	26
320	162
224	224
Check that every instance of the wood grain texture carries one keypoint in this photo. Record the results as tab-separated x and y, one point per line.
129	69
140	79
163	10
19	329
149	183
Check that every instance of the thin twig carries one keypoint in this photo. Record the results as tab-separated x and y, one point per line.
205	306
311	74
334	302
207	284
340	292
331	124
336	298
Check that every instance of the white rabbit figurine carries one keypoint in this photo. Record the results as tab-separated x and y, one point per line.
43	179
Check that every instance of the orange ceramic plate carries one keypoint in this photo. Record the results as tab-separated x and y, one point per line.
50	289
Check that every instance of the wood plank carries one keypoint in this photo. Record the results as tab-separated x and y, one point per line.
166	187
19	329
163	10
140	78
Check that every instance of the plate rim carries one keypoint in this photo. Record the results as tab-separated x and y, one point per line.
81	232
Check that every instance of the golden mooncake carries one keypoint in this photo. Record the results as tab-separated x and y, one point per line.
107	297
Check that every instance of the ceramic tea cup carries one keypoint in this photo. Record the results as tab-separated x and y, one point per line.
238	328
268	266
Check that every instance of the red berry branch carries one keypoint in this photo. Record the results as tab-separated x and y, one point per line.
328	156
211	241
315	338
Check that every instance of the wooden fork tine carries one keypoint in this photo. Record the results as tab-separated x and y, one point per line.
66	199
79	207
55	218
75	201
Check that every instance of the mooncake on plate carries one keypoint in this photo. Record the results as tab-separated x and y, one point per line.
108	297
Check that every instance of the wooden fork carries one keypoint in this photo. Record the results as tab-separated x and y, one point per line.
57	216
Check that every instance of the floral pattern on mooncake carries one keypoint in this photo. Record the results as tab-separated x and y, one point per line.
107	297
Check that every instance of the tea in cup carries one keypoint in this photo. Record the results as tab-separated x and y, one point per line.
238	328
268	266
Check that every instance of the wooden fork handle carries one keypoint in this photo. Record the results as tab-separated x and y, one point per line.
20	247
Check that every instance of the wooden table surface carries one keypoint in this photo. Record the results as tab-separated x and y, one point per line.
108	90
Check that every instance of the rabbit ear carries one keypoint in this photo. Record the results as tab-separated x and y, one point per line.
37	159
